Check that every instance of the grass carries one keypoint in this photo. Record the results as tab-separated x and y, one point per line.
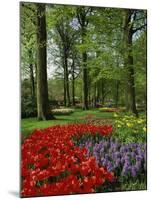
29	124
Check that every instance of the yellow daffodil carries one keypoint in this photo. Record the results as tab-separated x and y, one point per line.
115	115
129	124
140	121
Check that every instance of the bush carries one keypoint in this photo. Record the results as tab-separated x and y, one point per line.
28	108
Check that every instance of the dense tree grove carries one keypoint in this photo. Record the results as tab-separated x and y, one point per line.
82	56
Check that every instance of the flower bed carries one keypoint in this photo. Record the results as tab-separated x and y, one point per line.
106	109
52	164
93	120
127	161
79	158
62	111
129	128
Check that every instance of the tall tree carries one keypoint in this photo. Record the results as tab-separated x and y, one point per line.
66	42
131	26
42	87
75	72
32	80
28	43
73	82
64	38
82	13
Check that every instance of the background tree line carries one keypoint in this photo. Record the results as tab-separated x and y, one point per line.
99	56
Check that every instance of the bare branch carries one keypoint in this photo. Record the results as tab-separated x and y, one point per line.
139	28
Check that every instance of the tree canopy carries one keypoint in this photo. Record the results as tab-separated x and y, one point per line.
82	56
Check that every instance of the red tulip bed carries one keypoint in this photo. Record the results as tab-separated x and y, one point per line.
51	164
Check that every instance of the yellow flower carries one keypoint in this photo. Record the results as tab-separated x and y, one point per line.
118	125
140	121
115	115
129	124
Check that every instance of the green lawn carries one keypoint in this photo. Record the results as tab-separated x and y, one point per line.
29	124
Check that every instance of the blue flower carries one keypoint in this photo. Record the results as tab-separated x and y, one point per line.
126	169
133	171
118	162
123	159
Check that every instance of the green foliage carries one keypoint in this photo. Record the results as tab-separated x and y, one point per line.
58	13
28	108
55	89
103	43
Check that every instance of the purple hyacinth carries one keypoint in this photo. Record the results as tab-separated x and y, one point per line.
122	159
110	166
133	171
126	169
118	162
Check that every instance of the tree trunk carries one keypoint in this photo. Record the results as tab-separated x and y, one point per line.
73	93
102	91
32	82
117	93
98	91
89	94
94	96
64	83
89	97
84	73
42	86
128	34
31	76
66	78
85	81
73	88
84	23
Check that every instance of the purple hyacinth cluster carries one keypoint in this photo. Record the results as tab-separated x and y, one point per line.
122	159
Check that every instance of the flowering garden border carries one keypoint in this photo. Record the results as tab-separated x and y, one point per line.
52	165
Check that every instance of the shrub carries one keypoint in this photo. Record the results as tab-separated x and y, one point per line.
28	108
